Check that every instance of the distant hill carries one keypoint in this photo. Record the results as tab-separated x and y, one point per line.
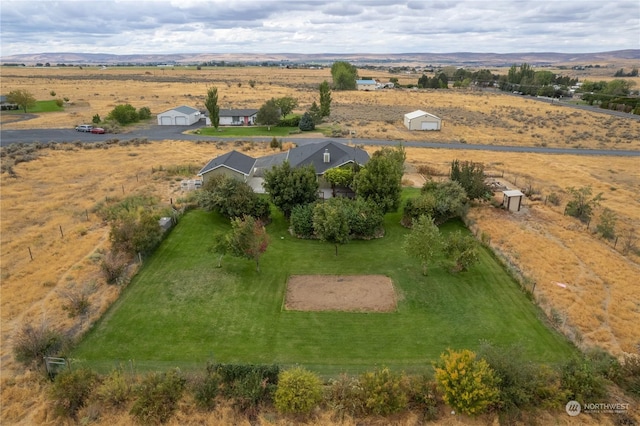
455	58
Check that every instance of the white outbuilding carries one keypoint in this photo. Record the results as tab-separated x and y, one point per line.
512	200
420	120
180	116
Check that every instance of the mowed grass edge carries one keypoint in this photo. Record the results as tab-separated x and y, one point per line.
181	310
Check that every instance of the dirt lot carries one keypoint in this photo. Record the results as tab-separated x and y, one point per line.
359	293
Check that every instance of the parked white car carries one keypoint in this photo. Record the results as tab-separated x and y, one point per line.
84	128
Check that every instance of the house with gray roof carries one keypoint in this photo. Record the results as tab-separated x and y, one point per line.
322	156
237	117
233	164
180	116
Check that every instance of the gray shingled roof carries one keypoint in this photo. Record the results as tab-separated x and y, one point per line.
339	154
237	112
233	160
183	109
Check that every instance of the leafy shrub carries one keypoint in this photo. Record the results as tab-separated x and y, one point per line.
345	395
302	220
113	267
383	391
554	199
365	218
468	384
604	364
582	204
462	250
233	198
206	389
246	384
607	224
290	121
115	389
71	389
124	114
132	235
298	392
581	381
144	113
630	379
422	396
32	343
96	119
440	200
157	397
522	384
59	102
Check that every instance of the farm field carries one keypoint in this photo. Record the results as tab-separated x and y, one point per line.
182	309
473	117
56	193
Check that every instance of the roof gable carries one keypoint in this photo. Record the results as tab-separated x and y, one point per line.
233	160
363	82
313	154
237	112
419	113
183	110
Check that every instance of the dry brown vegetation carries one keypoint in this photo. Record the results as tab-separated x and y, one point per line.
47	207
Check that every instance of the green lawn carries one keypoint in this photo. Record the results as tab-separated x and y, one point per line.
41	106
182	311
239	131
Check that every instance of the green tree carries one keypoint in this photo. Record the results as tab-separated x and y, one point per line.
462	250
340	177
314	110
124	114
286	104
96	119
468	384
325	99
22	98
289	187
344	75
211	103
582	204
440	200
144	113
617	88
233	198
269	114
331	222
380	180
471	177
423	241
607	224
247	239
306	122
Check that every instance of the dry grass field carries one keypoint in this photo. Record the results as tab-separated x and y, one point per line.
47	208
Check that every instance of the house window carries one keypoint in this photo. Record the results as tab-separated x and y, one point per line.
235	119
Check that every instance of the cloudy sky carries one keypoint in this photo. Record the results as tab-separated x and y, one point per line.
310	26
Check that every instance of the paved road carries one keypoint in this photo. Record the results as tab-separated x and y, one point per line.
159	133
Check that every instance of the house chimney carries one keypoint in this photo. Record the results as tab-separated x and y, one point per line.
327	156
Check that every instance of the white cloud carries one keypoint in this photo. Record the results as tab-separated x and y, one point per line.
312	26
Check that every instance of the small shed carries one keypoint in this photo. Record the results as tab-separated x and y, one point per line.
420	120
180	116
512	200
366	84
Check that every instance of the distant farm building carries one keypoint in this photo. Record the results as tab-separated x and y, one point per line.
512	200
366	84
180	116
420	120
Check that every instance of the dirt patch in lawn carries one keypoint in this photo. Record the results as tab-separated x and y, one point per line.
353	293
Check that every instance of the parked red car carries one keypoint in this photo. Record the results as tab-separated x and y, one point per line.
98	130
